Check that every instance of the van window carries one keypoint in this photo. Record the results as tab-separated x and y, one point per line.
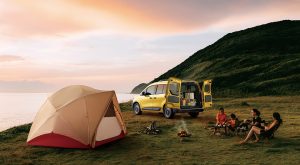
161	89
207	88
174	88
192	88
151	90
183	88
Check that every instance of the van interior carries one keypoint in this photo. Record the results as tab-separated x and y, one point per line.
190	96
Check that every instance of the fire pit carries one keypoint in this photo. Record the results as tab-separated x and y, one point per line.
183	133
151	129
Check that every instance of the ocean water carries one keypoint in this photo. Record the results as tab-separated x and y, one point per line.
20	108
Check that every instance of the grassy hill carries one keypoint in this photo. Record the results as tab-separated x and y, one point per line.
263	60
166	148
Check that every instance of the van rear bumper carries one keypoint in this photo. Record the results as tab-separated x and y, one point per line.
188	110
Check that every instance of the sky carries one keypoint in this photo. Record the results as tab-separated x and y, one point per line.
115	44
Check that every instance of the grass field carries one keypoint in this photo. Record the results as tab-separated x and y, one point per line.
166	148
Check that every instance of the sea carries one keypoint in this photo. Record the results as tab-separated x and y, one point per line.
21	108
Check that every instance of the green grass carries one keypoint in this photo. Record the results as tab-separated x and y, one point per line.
166	148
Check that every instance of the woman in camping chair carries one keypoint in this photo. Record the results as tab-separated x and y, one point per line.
266	131
256	121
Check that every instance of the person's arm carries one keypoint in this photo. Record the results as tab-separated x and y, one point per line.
256	124
228	122
271	125
217	118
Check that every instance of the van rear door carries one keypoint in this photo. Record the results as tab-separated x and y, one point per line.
173	93
207	97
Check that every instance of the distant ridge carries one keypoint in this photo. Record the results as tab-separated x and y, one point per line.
139	88
263	60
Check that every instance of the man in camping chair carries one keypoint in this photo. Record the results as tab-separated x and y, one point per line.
221	121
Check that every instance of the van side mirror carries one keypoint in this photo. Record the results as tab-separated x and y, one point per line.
143	93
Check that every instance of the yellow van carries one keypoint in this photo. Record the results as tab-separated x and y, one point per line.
174	96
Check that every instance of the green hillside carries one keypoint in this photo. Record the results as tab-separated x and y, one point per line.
263	60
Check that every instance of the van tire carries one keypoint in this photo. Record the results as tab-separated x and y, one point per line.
137	109
168	113
194	114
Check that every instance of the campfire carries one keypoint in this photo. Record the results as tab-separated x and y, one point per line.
183	130
183	133
151	129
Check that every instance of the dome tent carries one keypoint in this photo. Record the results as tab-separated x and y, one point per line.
77	117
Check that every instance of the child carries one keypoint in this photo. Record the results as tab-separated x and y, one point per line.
233	122
221	120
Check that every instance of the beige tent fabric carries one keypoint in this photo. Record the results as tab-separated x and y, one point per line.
105	132
70	93
118	112
118	116
76	112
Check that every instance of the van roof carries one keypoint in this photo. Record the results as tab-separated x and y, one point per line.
166	82
159	82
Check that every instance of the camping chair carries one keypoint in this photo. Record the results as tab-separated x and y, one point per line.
242	128
269	134
236	130
217	129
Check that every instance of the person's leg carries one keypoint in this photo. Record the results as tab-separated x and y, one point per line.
216	128
230	129
247	137
253	130
256	131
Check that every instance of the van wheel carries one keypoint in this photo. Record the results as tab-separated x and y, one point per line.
137	109
168	113
194	114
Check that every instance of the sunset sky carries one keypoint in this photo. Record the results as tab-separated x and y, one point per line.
113	44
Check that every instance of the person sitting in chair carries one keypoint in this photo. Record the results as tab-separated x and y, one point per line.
265	131
233	122
256	121
221	120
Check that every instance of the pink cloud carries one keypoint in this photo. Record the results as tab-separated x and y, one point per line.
10	58
27	18
23	20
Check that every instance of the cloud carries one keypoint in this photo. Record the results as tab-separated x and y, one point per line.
115	44
56	17
10	58
22	19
